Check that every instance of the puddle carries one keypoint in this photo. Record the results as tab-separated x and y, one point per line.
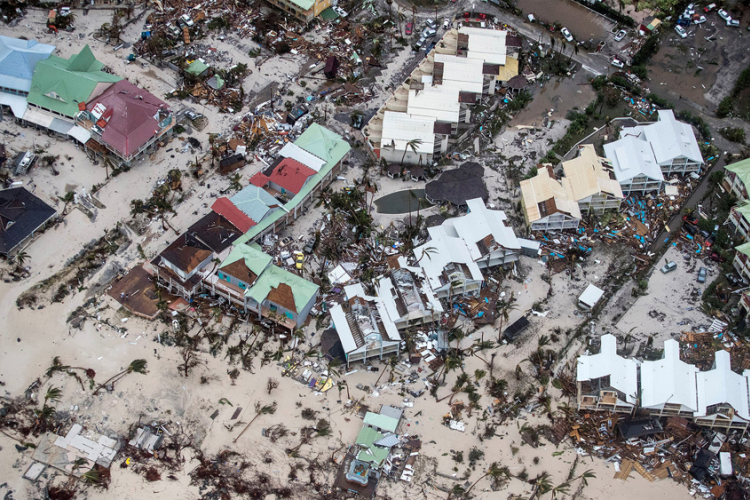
402	202
560	95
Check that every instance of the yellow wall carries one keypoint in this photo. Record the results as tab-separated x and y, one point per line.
320	6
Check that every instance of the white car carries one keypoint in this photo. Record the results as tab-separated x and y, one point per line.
566	34
681	31
446	23
338	10
187	20
699	19
428	32
734	23
617	63
620	35
724	15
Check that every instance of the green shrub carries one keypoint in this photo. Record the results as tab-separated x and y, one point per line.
660	102
734	134
725	107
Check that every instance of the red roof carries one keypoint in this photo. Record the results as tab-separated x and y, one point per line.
225	208
260	179
133	112
291	175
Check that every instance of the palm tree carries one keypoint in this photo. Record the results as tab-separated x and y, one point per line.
458	335
259	410
21	258
68	198
136	366
543	485
427	252
412	144
497	474
108	164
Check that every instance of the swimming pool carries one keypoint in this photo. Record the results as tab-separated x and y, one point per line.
402	202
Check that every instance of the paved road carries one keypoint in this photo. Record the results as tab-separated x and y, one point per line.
594	63
693	200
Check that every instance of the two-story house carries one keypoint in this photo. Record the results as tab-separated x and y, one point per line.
737	179
248	279
181	267
593	181
548	203
406	296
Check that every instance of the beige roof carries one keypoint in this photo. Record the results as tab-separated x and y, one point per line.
589	175
509	70
543	188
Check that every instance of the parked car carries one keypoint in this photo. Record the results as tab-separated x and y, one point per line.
620	35
716	257
690	9
681	31
708	8
709	241
566	34
699	19
446	23
733	23
420	42
702	272
690	219
428	33
617	63
735	280
409	28
683	21
299	260
724	15
187	20
704	234
309	246
338	10
669	267
192	115
431	23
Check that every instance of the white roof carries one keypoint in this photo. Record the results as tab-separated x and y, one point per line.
479	223
461	73
669	138
623	373
632	157
17	103
400	128
338	317
591	295
445	249
721	385
437	102
487	45
668	380
295	152
338	275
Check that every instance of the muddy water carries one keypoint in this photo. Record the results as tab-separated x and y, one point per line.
582	23
559	95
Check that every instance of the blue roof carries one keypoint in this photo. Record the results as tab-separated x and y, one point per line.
18	59
254	202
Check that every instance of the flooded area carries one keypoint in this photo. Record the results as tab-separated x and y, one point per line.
556	95
402	202
702	67
582	23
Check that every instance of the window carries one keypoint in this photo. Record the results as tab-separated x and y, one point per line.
289	315
272	307
221	276
242	285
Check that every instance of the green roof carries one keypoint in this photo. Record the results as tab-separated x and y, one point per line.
383	422
324	144
744	248
329	14
60	84
253	201
742	170
304	4
197	67
373	454
272	277
255	260
744	210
